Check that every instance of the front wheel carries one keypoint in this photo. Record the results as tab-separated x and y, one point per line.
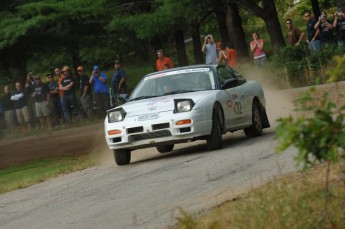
122	156
165	148
256	128
214	140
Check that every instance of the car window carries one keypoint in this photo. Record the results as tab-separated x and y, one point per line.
225	73
174	82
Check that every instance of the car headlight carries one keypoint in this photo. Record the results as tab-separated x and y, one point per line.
116	115
183	105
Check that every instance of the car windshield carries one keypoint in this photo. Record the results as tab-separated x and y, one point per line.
174	82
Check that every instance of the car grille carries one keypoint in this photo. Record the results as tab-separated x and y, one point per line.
156	134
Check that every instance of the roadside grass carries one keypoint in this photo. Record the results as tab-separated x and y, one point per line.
18	177
292	201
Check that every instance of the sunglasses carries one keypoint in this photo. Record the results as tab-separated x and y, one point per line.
307	15
288	23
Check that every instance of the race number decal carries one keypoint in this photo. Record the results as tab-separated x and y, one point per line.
237	107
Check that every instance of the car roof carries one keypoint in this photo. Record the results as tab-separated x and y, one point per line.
185	67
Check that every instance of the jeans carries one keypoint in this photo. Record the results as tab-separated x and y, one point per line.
70	101
315	45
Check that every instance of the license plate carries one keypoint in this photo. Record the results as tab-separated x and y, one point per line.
144	117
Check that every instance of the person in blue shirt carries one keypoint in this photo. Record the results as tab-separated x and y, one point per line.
101	92
118	82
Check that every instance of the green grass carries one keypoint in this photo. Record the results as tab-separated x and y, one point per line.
294	201
13	178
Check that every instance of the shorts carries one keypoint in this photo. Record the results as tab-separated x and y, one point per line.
42	109
23	115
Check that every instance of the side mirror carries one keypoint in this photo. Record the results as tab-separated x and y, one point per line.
123	98
230	83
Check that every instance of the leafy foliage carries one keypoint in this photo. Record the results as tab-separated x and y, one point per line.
319	133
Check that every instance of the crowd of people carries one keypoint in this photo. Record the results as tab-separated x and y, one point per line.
55	103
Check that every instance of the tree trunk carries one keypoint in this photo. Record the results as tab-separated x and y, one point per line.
341	4
316	8
222	24
180	48
235	30
198	55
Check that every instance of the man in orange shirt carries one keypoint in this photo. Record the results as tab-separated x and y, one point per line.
163	62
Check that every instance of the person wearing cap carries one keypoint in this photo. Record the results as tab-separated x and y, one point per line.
162	61
85	92
100	89
19	97
10	112
41	97
55	101
69	99
118	82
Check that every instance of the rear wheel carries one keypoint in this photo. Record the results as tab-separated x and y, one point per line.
122	156
165	148
256	128
214	140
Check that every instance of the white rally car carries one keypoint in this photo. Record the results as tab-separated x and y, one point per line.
199	102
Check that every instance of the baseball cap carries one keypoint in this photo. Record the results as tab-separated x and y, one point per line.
80	68
50	75
95	68
117	62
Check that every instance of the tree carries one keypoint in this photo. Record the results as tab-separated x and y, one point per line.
266	10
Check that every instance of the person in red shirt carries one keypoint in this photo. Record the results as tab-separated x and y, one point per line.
231	56
163	62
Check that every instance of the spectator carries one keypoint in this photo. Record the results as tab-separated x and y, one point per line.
257	46
101	92
85	93
231	56
313	39
326	30
210	49
70	103
221	54
10	112
20	103
41	97
339	25
55	100
60	76
293	35
118	82
163	62
29	87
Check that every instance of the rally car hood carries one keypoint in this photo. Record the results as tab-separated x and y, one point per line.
162	103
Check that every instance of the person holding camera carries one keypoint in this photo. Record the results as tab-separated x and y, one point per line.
209	47
101	92
326	30
339	25
313	39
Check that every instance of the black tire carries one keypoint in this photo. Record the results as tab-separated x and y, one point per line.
214	140
256	128
165	148
122	156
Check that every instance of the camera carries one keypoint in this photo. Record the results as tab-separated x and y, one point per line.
322	16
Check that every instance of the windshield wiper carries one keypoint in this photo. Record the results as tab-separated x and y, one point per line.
143	97
178	92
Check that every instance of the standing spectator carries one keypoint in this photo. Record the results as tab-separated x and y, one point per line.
29	88
163	62
210	49
55	100
257	47
118	82
293	35
339	25
10	113
60	76
70	102
231	56
326	30
85	93
41	97
221	54
20	103
313	39
101	92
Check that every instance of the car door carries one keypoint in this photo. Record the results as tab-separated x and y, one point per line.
232	104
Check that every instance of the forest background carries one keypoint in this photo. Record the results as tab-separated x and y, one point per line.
40	35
